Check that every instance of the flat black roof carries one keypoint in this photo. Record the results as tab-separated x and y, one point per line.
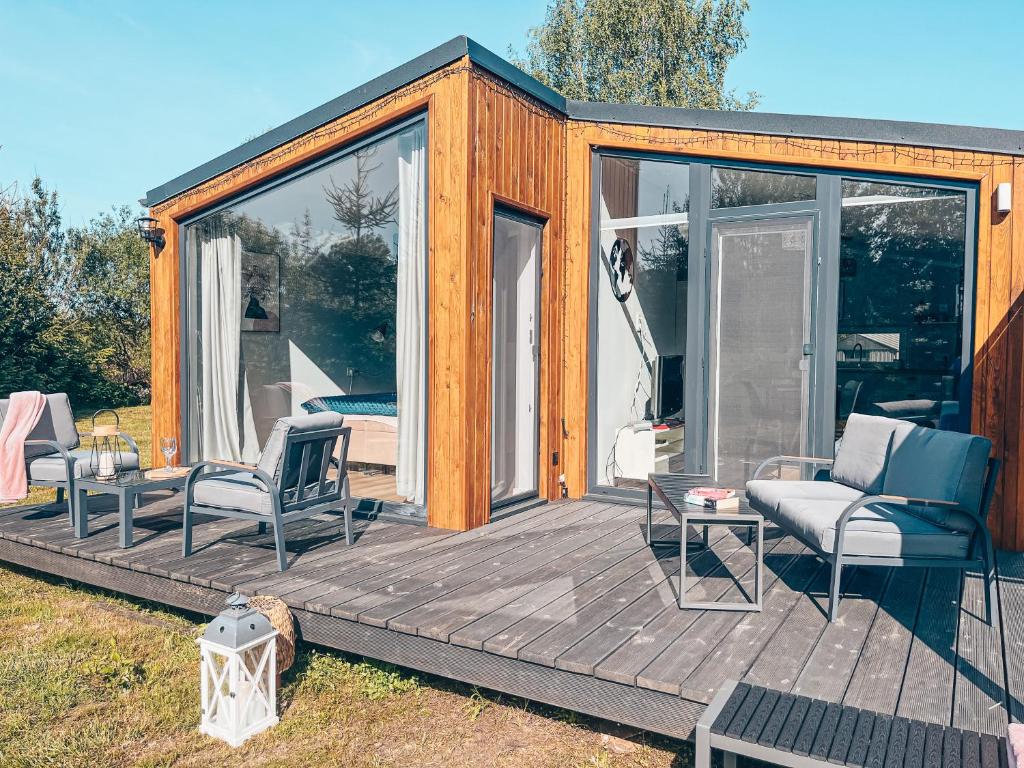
847	129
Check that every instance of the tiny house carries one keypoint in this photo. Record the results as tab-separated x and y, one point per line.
514	297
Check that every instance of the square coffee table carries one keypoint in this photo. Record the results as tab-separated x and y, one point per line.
128	487
672	489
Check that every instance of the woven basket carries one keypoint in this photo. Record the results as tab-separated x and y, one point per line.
281	619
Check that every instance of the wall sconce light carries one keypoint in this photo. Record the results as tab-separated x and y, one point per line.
380	333
150	232
1004	197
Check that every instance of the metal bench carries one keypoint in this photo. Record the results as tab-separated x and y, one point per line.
790	730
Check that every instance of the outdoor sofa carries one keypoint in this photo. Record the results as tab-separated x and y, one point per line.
897	494
54	457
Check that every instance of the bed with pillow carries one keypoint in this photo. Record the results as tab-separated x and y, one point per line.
374	422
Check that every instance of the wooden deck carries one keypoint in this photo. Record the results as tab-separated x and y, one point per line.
564	604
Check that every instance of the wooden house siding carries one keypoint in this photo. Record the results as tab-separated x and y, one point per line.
444	96
489	144
517	161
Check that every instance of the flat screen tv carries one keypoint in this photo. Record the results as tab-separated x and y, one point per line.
669	391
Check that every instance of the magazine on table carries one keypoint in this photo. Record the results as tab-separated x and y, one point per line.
713	498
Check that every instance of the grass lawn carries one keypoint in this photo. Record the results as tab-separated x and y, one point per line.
88	679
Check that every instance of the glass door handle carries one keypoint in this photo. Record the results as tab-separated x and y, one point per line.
808	349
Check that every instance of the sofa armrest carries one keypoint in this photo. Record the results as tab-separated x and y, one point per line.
789	460
224	468
901	501
57	447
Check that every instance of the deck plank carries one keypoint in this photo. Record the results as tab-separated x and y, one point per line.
930	667
827	671
1011	600
378	607
979	702
684	654
877	680
392	570
572	589
513	639
736	651
465	605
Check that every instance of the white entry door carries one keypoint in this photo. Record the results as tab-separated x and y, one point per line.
515	369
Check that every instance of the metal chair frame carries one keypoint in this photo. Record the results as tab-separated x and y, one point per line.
289	503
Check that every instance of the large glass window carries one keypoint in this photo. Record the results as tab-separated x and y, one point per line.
901	303
310	296
641	319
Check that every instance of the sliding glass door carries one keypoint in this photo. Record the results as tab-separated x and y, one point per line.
515	349
742	311
310	295
759	340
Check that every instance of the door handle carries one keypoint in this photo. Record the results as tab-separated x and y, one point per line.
808	349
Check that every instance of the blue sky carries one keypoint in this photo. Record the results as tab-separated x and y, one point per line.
105	100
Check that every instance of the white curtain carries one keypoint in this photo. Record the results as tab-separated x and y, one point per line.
411	315
220	259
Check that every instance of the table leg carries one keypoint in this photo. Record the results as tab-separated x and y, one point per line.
81	513
682	557
650	510
127	508
759	572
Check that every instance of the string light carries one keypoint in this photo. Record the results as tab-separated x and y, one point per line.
777	147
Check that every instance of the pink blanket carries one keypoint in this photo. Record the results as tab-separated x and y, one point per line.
23	414
1015	735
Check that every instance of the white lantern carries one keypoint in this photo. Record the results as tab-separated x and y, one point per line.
238	673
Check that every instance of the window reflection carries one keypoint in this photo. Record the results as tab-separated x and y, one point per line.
735	187
309	297
901	290
641	311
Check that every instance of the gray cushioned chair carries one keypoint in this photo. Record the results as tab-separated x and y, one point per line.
54	457
289	482
897	494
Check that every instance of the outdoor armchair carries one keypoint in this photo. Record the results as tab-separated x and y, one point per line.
54	457
290	481
897	495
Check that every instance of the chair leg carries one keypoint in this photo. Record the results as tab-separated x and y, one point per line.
833	591
282	554
186	531
348	512
989	568
261	528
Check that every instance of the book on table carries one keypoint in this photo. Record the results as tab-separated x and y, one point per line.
713	498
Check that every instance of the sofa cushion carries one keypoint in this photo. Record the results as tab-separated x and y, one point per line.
936	464
239	490
51	468
242	491
862	453
878	530
57	423
765	495
272	459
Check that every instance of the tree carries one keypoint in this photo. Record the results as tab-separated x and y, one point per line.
670	53
109	263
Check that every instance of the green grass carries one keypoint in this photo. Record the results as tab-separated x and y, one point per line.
88	679
135	421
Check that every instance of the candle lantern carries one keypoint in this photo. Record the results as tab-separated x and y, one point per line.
238	674
105	452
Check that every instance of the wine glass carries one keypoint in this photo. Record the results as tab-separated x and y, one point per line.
168	447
